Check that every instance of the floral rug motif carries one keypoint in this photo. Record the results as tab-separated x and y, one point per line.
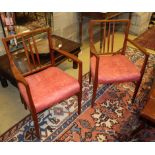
112	119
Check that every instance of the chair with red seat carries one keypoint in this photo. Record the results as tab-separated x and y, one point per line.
108	65
41	84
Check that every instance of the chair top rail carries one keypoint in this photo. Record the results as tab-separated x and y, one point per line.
27	34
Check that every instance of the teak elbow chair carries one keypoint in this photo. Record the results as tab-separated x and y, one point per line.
42	86
110	66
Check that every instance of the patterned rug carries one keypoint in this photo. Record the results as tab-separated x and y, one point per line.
112	119
147	39
52	121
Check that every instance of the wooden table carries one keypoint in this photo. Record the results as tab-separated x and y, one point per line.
149	110
67	45
147	39
96	15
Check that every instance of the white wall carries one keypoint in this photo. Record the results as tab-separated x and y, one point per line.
140	22
66	25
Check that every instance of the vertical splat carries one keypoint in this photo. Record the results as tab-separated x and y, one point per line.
112	40
27	54
108	42
31	52
104	38
36	50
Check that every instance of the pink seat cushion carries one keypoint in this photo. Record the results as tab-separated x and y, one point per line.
48	87
117	68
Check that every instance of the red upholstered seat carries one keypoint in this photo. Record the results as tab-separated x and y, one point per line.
48	87
117	68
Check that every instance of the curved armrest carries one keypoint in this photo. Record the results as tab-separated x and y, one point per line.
144	51
93	50
67	54
18	76
138	46
74	58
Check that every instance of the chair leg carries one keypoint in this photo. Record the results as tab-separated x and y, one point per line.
79	102
136	90
94	93
23	102
89	77
139	82
36	124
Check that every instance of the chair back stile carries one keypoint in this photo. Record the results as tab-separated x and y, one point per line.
27	54
8	52
52	58
108	30
126	37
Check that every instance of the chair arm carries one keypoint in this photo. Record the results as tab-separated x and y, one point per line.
93	50
68	55
143	50
74	58
18	76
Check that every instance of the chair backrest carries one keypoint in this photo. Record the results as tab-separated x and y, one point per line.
25	49
102	34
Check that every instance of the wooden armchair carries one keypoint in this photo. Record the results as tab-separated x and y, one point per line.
41	85
108	65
